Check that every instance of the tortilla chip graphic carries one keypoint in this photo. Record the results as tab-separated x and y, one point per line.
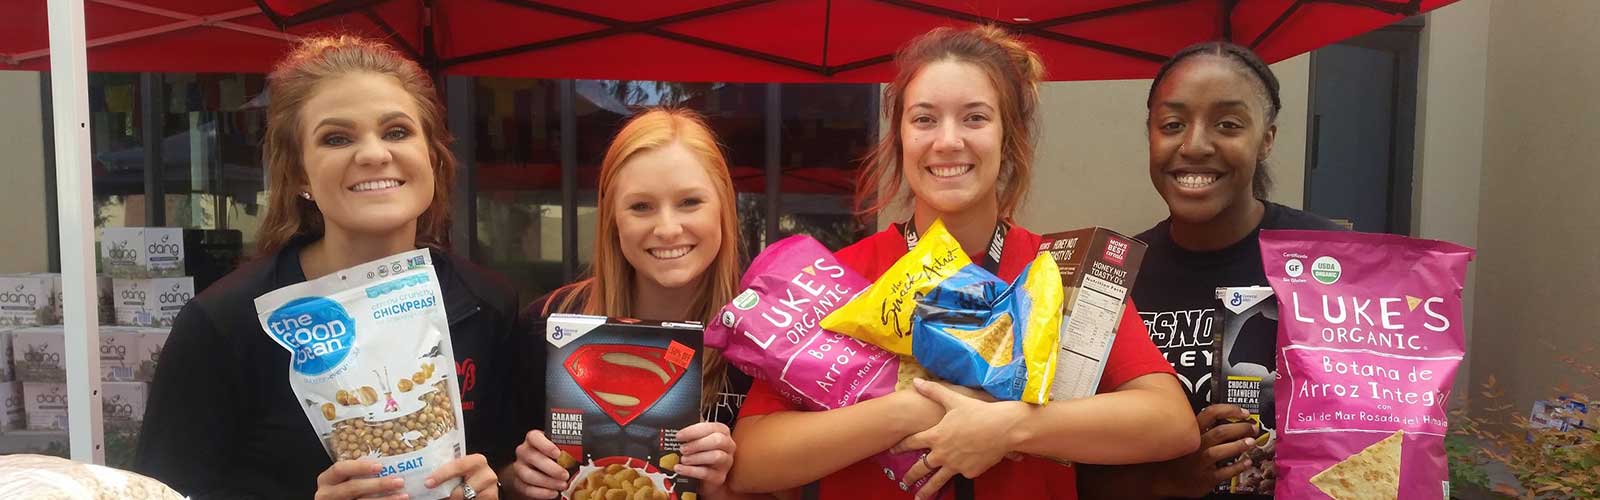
993	341
1413	302
1372	474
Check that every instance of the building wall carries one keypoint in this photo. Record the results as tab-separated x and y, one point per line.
1450	130
1538	267
22	208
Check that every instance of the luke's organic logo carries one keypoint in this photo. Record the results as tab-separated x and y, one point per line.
18	296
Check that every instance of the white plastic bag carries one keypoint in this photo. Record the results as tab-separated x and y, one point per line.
372	366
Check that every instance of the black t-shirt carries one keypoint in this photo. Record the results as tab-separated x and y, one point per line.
1176	294
728	401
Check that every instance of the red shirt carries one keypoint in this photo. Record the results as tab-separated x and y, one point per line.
1132	356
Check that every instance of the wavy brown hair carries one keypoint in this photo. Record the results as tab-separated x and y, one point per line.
1015	72
293	82
609	289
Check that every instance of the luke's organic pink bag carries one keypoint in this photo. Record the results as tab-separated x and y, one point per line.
771	332
1369	339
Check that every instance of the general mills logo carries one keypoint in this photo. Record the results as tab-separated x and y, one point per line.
176	295
557	333
18	297
122	252
164	247
1238	298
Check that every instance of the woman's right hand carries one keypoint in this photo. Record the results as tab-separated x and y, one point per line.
350	479
536	472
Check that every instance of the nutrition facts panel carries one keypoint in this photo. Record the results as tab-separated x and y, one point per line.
1086	338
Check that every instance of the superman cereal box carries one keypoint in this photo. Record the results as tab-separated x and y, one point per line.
618	391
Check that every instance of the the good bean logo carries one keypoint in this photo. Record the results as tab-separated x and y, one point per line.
316	330
175	295
18	296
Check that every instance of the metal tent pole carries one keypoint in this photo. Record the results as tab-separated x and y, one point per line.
69	91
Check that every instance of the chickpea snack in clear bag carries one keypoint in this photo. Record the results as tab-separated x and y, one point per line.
372	365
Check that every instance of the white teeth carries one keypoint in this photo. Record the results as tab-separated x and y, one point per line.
375	185
670	253
950	171
1196	180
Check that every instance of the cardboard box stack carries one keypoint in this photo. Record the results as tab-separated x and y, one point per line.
143	289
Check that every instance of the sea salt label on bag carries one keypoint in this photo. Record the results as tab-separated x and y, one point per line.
372	365
1369	339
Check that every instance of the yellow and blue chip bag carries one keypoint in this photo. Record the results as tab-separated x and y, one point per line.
882	313
973	330
961	322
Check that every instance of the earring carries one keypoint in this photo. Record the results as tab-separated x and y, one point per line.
306	195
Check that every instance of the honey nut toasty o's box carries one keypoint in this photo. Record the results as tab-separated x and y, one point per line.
1098	267
617	392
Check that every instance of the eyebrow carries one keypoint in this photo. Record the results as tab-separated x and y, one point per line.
970	105
341	122
1179	105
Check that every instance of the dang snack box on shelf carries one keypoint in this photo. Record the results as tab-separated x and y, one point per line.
14	409
39	355
618	391
1369	338
106	306
142	252
45	405
1098	268
151	302
1244	374
25	300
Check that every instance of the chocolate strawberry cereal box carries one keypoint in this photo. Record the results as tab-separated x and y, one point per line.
1369	339
618	391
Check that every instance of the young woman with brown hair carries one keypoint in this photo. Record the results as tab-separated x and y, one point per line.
962	113
360	168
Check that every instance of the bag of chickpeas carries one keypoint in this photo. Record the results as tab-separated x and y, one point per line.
371	363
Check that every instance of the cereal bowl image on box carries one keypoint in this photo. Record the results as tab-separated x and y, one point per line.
372	365
632	476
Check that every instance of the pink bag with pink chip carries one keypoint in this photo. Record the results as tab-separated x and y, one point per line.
770	331
1369	339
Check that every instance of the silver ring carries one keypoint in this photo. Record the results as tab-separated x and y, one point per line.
467	492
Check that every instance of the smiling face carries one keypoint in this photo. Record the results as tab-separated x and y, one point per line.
950	137
1209	131
668	216
366	158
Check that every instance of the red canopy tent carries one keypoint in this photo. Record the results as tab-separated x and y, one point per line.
691	40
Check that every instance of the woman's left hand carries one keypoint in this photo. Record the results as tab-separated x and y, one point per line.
474	471
707	455
970	439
